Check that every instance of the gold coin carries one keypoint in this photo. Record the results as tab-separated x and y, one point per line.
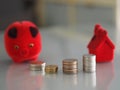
70	61
35	68
51	71
70	66
51	68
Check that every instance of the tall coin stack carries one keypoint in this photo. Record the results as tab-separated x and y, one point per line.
89	63
70	66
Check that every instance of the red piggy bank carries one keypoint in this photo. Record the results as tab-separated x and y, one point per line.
23	41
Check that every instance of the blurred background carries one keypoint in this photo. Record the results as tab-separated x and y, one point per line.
65	23
47	13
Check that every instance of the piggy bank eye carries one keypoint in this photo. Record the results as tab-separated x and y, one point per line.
16	47
31	45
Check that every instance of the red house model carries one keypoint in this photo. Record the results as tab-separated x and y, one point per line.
101	45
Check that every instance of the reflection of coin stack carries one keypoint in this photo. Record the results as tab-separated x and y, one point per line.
89	63
70	66
37	65
90	80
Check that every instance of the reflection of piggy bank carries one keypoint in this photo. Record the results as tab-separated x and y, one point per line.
23	41
18	77
105	74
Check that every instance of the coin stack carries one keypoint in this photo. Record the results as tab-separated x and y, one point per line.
37	65
51	69
89	63
70	66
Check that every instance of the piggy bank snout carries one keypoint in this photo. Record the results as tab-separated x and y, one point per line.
24	52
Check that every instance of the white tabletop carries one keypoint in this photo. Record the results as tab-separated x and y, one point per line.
59	44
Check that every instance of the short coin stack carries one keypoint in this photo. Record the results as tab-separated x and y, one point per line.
89	63
70	66
37	65
51	69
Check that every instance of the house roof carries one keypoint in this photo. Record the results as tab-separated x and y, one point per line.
100	37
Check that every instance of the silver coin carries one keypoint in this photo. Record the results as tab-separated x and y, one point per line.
89	56
37	65
89	71
89	65
36	68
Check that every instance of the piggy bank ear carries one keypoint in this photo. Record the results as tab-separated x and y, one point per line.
12	32
33	31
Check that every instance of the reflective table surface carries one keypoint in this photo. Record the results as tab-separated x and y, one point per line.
58	44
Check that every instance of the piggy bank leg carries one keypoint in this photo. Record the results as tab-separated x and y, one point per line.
34	59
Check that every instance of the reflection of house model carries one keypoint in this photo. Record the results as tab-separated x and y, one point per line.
101	45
